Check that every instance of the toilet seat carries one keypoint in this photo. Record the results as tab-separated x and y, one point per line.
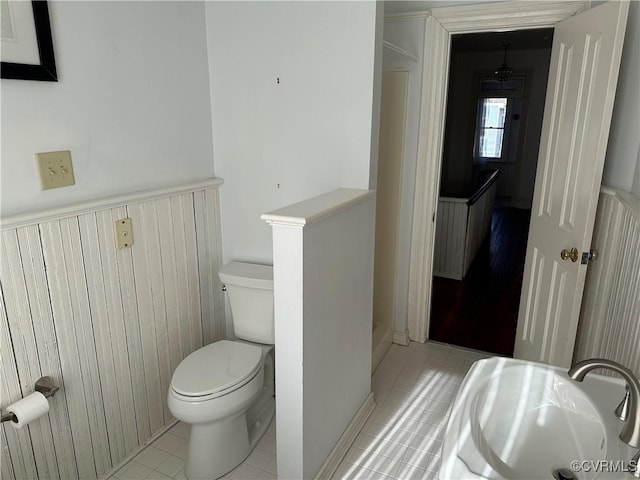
216	369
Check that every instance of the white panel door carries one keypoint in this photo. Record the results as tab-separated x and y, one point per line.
582	81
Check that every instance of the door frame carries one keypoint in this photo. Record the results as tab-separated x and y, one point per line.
440	25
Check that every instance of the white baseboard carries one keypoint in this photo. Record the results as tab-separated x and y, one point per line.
401	338
340	450
112	471
382	340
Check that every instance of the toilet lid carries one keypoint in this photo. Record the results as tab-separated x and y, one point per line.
216	367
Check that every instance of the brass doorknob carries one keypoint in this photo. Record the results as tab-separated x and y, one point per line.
569	254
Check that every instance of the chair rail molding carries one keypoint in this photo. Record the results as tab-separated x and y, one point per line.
105	203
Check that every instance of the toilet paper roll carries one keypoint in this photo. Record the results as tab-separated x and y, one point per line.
28	409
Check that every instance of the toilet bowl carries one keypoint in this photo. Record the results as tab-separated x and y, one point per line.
229	414
225	390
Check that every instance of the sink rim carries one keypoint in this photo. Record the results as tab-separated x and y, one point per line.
601	392
555	384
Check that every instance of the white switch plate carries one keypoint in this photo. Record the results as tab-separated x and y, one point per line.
55	169
124	233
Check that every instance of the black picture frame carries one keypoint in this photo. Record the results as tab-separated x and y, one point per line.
46	71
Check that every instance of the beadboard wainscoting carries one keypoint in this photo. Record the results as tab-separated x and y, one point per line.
461	227
610	315
108	325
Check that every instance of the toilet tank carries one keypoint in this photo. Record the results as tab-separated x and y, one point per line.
250	292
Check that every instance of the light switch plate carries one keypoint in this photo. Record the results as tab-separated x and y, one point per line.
124	233
55	169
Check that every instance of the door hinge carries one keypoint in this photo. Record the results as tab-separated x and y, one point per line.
589	256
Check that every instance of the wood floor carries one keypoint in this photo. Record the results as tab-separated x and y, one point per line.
481	311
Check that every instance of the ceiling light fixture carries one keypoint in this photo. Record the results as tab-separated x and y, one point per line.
504	72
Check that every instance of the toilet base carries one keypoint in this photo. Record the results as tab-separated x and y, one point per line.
259	417
215	450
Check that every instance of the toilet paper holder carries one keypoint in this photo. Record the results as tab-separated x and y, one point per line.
45	386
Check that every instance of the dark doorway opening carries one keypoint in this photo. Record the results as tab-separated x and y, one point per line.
478	309
481	311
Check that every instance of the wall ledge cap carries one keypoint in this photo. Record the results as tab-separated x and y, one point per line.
315	209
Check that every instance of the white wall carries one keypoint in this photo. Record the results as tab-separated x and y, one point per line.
623	157
377	94
278	143
635	188
388	200
132	104
404	6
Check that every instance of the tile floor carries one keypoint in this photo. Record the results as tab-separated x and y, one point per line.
414	388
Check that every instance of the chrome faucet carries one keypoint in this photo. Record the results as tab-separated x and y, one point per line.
635	463
622	411
630	433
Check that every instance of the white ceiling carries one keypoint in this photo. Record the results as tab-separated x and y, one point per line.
477	42
403	6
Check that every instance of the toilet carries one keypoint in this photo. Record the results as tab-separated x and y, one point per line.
225	390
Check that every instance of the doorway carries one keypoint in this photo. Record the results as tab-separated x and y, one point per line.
478	308
586	52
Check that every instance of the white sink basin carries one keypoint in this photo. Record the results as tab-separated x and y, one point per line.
523	420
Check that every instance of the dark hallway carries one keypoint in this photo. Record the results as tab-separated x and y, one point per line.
481	311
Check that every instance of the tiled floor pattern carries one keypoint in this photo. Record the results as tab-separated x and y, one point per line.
165	458
414	388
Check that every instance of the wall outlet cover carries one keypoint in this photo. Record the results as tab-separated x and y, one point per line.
124	233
